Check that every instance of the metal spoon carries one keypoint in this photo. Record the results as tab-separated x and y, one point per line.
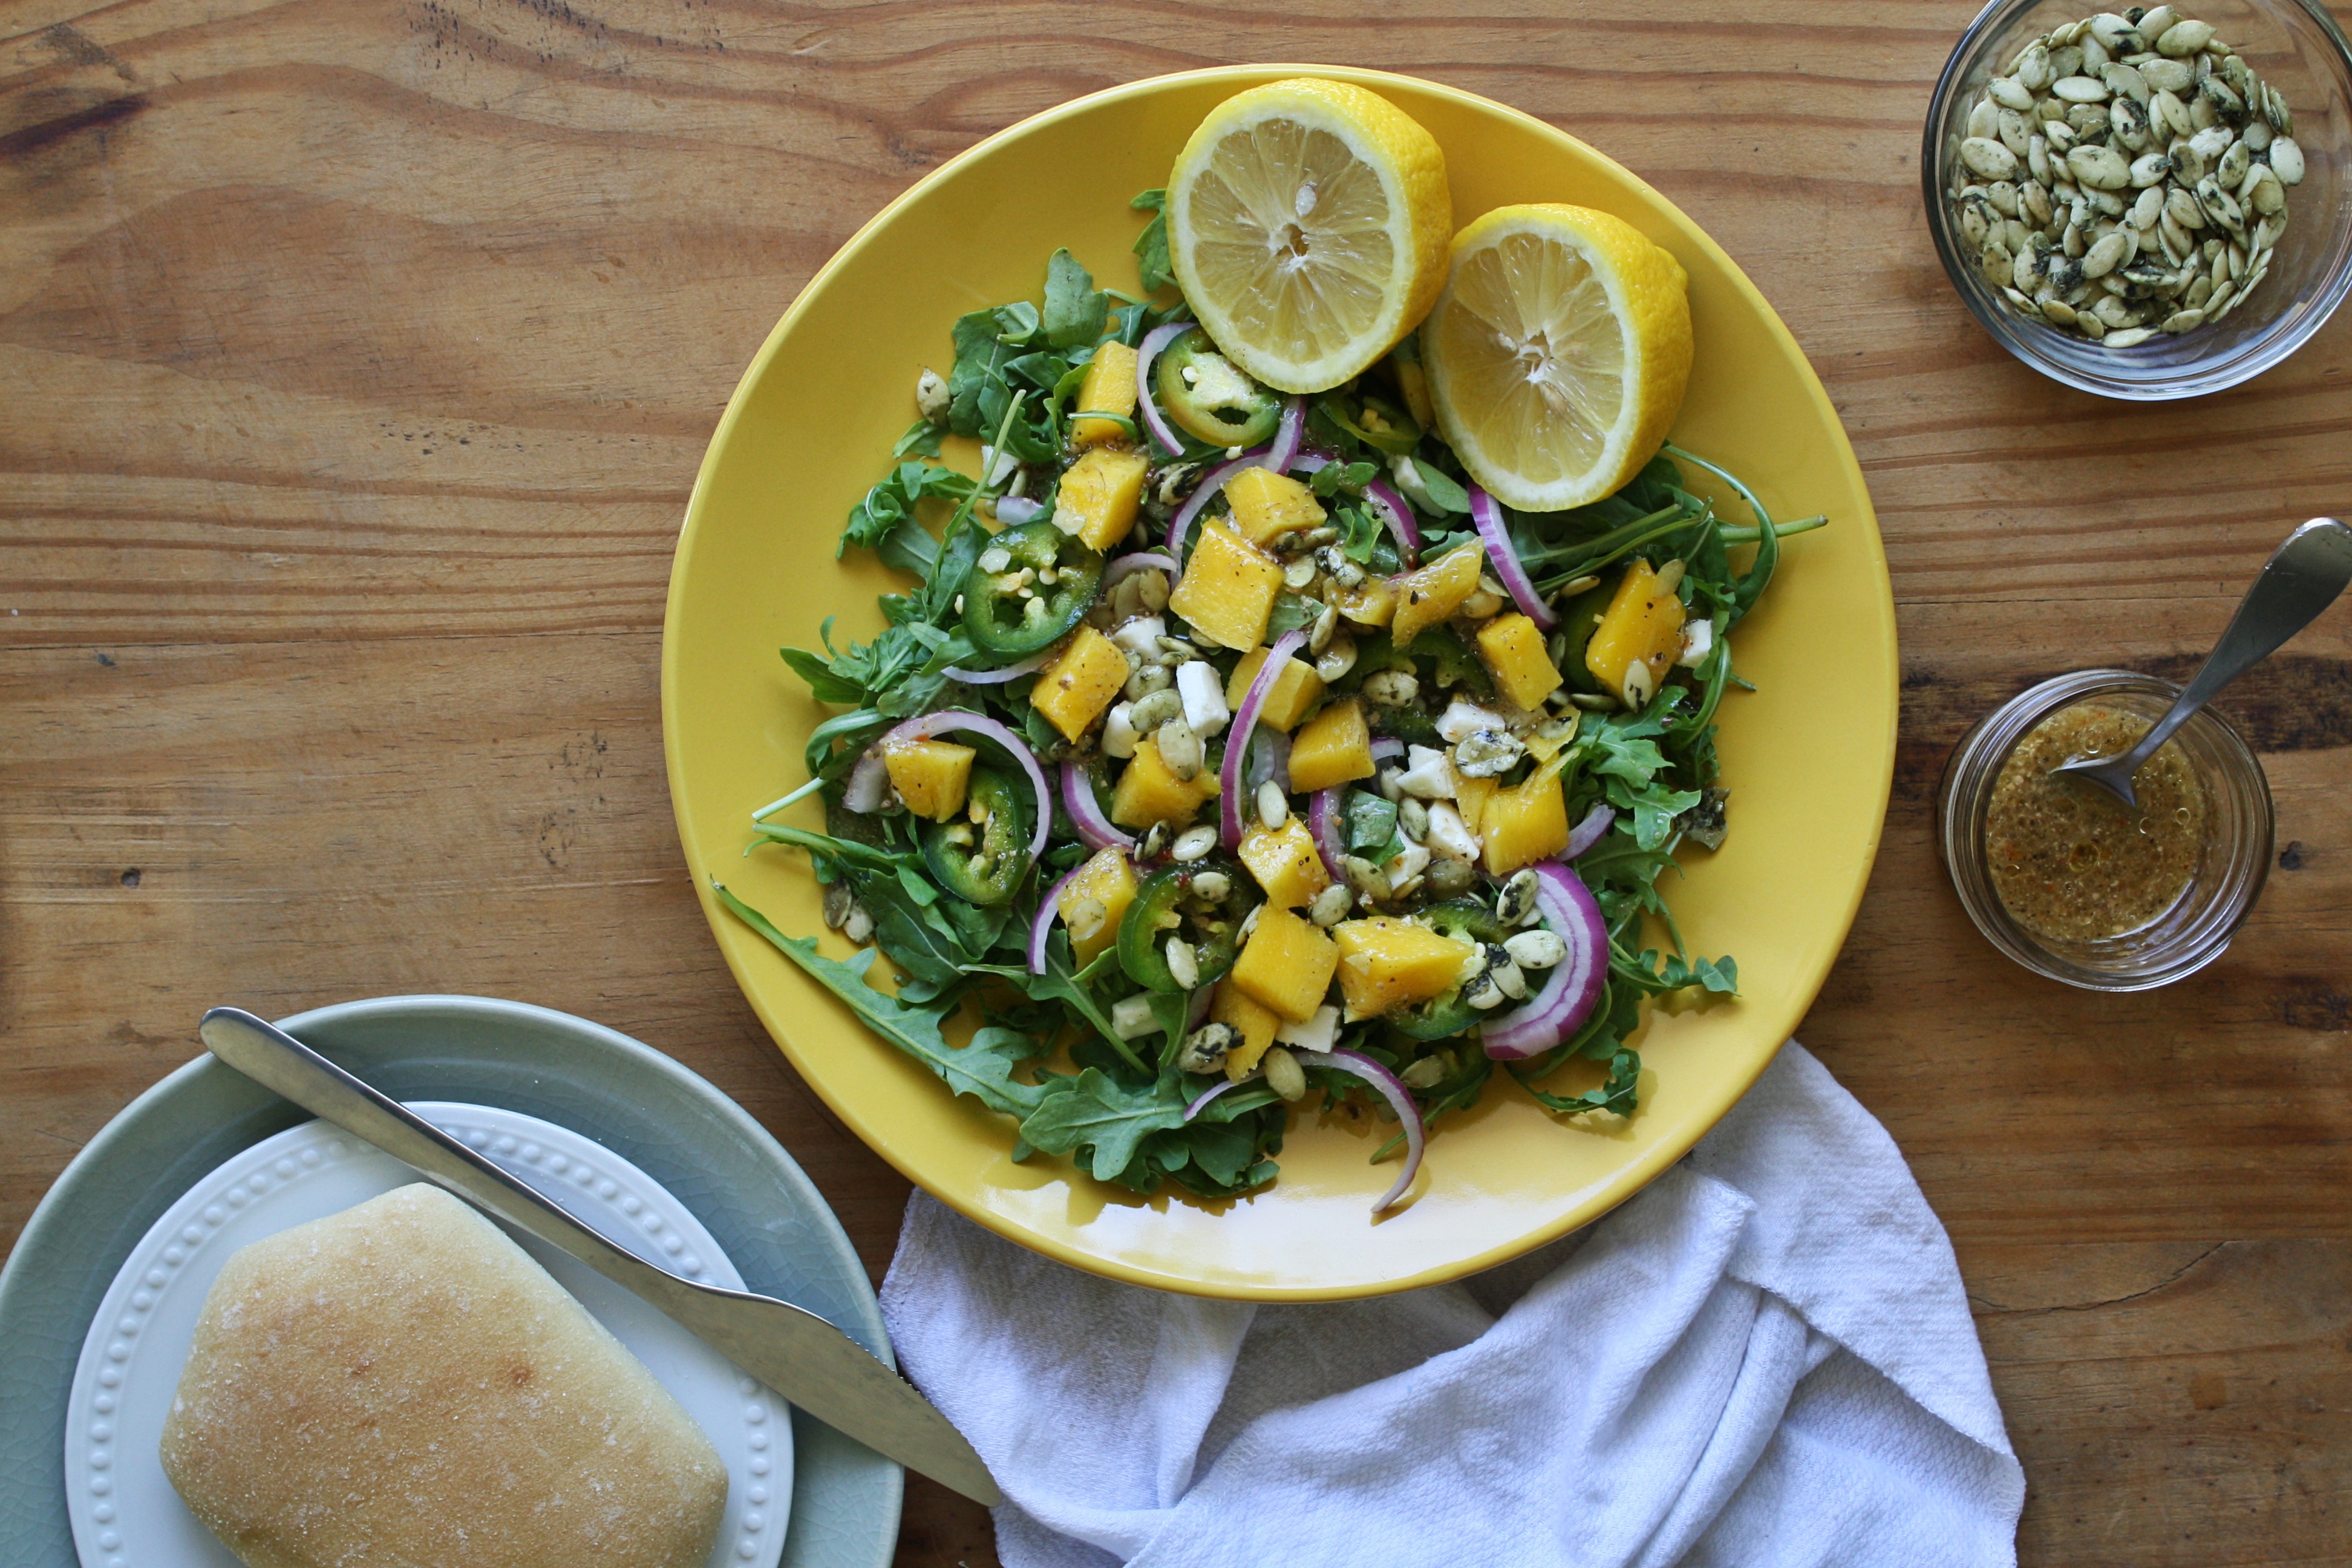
2302	579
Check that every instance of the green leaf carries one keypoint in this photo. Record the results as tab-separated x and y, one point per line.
1098	1114
891	503
1443	491
1291	613
1151	263
1062	982
982	1069
823	685
1074	307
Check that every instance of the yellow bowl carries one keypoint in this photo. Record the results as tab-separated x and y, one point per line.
1808	756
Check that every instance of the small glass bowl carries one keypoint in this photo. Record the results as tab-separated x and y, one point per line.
2231	869
2294	46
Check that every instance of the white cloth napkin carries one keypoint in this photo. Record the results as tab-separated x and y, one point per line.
1764	1358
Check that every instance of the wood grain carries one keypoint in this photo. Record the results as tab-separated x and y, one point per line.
358	358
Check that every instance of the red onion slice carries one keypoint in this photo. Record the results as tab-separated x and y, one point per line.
1589	832
1287	437
1269	758
1386	746
1325	823
1399	1097
1146	404
1095	829
1233	807
1181	525
1128	565
998	677
1042	926
1573	989
1387	504
948	718
1197	1009
869	783
1201	1102
1488	517
1014	510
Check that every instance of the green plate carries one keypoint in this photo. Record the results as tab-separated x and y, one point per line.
632	1100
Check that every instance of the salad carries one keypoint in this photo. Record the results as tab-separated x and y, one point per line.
1227	745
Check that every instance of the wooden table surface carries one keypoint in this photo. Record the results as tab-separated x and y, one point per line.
355	361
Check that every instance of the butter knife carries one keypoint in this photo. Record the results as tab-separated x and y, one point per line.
792	1350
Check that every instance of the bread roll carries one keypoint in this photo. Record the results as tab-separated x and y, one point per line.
401	1384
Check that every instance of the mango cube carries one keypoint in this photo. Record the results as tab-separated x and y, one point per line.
1148	791
1074	689
1255	1021
1524	824
1108	387
1107	880
1286	863
1386	964
1471	795
1286	965
1370	602
1641	625
1297	687
1514	650
1335	748
1228	588
1267	505
1432	593
1100	495
931	776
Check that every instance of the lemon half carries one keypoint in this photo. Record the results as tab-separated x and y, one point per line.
1306	225
1558	353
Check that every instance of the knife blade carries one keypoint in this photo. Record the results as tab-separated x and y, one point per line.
799	1355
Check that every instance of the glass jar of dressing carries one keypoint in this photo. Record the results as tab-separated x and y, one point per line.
2062	876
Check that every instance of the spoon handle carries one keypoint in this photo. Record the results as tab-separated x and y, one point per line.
2301	579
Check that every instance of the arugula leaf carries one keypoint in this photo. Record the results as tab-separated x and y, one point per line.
1654	808
1720	975
1074	307
1065	982
1371	824
1151	262
822	683
1109	1117
892	503
982	1069
852	728
1443	490
922	437
981	358
1290	612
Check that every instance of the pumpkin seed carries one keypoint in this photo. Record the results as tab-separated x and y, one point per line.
2184	39
2130	337
1988	158
2286	161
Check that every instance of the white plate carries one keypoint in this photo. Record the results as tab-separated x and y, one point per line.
123	1508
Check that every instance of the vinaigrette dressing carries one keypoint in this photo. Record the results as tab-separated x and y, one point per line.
2070	862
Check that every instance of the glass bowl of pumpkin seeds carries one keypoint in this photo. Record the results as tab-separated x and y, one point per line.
2150	203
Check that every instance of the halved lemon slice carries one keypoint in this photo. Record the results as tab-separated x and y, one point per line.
1306	224
1558	353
